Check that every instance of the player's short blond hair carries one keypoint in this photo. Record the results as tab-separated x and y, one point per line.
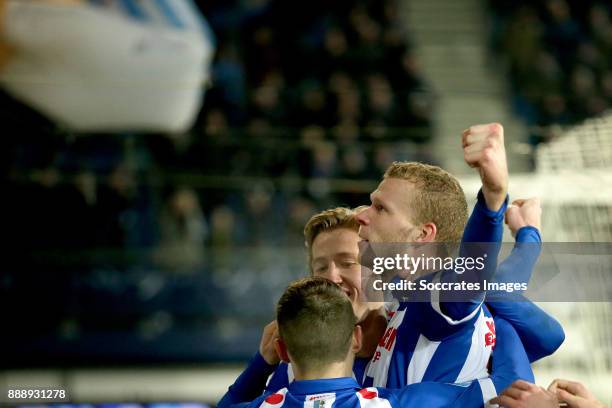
329	220
438	198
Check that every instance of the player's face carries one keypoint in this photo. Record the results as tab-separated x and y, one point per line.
388	218
335	255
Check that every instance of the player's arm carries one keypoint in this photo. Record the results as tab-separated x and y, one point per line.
522	394
252	382
483	148
509	359
540	333
249	385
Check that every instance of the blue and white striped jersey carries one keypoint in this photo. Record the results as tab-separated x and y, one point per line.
433	340
422	344
509	363
345	392
456	353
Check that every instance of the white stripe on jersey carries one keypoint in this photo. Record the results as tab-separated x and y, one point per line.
488	391
325	400
378	368
368	398
476	361
275	400
435	303
290	375
423	353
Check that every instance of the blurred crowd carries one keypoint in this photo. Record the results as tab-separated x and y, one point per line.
175	236
305	98
560	57
153	242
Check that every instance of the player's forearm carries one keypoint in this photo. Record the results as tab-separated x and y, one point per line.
250	384
484	225
518	266
539	332
509	360
481	240
494	199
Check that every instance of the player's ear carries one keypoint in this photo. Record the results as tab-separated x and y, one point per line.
357	340
427	232
281	350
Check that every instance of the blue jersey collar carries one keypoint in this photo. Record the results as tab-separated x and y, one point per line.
306	387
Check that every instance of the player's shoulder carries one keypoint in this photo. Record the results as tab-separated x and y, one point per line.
277	399
375	397
434	394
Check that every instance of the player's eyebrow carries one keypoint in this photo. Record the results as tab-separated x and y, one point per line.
318	259
347	254
375	199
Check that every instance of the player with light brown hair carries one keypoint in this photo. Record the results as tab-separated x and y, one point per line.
331	239
434	196
417	202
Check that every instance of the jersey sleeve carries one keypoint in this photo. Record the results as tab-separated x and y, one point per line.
249	385
539	332
509	359
518	266
485	225
481	239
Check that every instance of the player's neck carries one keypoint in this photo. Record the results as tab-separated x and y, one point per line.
373	326
333	370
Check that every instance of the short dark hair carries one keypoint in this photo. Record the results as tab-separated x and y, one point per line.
316	321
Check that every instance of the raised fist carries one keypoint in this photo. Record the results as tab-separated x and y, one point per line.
524	212
483	148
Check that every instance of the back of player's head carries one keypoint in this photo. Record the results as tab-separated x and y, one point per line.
316	322
328	220
438	198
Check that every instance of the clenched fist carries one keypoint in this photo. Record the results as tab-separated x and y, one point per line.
266	346
483	148
522	213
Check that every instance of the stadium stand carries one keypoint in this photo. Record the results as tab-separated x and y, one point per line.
558	52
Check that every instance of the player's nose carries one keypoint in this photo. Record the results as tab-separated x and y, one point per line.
333	274
362	217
